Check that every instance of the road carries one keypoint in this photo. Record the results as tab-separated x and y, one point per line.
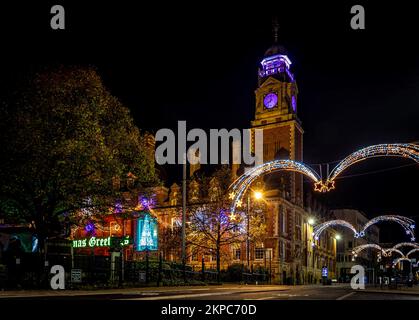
226	292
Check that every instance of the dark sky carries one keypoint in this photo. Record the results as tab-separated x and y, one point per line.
199	63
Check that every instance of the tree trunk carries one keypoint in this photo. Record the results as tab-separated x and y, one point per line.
218	263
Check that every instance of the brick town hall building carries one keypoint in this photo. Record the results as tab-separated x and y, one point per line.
287	246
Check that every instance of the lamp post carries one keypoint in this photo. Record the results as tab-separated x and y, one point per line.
310	222
184	218
248	233
258	196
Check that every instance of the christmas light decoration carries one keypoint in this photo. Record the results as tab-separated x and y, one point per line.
145	203
405	150
412	251
90	227
388	252
323	226
407	224
398	260
406	244
241	185
118	207
146	239
358	249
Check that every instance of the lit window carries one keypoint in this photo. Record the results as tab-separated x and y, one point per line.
236	254
259	253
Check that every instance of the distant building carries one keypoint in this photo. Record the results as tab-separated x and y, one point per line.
345	259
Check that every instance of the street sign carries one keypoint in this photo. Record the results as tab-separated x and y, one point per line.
141	276
325	272
76	275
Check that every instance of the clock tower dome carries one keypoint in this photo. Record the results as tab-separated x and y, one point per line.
276	114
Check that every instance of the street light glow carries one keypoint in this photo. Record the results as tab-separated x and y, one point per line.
338	237
258	195
311	221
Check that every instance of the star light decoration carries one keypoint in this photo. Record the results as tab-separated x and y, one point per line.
240	186
404	150
407	224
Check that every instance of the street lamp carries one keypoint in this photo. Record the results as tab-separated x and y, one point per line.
258	195
311	221
338	237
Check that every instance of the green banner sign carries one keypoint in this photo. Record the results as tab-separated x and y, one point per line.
94	242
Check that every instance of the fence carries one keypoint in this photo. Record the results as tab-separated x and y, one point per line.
109	271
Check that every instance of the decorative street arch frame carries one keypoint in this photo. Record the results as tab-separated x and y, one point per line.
242	184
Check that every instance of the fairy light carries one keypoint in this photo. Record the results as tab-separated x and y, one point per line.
241	185
405	222
323	226
405	150
395	262
412	251
358	249
389	252
406	244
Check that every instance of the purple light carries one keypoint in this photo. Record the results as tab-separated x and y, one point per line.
146	203
276	64
118	207
294	103
270	100
90	227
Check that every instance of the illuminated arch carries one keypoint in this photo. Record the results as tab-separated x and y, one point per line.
412	251
405	150
323	226
395	262
388	252
241	185
406	244
407	224
360	248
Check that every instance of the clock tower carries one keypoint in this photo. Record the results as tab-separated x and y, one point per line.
276	114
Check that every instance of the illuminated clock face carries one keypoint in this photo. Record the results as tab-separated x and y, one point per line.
270	100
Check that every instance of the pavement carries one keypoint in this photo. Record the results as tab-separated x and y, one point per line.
223	292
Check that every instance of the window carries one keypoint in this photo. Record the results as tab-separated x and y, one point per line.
236	254
259	253
284	222
350	244
282	251
194	256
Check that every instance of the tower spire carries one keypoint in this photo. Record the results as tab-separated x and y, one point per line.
275	29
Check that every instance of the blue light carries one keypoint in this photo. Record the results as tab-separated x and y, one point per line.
147	233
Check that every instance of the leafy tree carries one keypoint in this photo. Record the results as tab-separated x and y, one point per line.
64	137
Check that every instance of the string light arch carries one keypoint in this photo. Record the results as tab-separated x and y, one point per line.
407	224
404	150
242	184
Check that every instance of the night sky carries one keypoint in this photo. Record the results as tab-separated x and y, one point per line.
176	62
